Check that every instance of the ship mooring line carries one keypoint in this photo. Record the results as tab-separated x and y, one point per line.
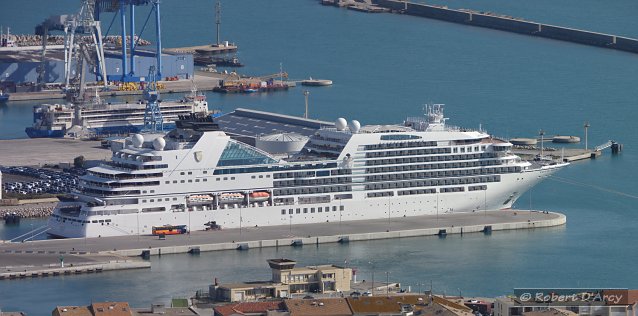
574	182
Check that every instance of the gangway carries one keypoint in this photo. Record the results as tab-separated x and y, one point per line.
34	233
604	146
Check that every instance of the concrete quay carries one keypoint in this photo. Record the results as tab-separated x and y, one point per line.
297	235
511	24
204	82
43	264
49	151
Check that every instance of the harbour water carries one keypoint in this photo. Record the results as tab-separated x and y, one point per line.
385	67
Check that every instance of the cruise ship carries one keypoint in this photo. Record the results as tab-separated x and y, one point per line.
199	176
55	120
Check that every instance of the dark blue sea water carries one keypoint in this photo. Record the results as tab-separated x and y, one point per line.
385	67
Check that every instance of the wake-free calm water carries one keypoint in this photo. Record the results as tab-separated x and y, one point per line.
384	68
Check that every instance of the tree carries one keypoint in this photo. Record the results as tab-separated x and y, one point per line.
79	161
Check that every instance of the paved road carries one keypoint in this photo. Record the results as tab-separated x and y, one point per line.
26	262
276	232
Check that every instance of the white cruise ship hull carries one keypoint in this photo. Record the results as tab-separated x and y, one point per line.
499	195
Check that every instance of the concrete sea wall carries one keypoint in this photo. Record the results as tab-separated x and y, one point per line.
510	24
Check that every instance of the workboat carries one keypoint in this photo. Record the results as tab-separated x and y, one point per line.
4	97
316	82
200	176
101	118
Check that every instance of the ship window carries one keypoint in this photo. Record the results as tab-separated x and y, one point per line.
181	173
196	180
252	177
217	179
174	199
205	180
108	220
261	176
143	201
94	221
167	199
182	181
312	210
152	191
298	211
143	191
167	182
341	207
190	172
267	176
236	154
205	172
319	210
174	181
190	181
334	208
305	210
152	200
225	178
232	178
283	212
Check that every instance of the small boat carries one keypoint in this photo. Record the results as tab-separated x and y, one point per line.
231	198
316	82
4	97
259	196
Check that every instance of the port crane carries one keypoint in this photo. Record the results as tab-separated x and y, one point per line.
120	7
153	120
82	23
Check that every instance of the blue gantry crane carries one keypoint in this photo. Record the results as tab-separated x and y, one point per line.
153	120
121	7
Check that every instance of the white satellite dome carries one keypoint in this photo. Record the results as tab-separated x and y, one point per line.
341	124
355	126
137	140
159	143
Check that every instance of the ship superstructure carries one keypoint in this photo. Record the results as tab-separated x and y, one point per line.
199	176
55	120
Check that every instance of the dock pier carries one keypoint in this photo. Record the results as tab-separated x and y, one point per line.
510	24
298	235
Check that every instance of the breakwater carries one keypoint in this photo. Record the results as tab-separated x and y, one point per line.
27	211
511	24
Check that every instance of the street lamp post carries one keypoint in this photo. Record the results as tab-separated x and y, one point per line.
387	283
586	126
372	286
542	134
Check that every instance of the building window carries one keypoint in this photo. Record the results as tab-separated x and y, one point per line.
305	210
283	212
298	211
312	210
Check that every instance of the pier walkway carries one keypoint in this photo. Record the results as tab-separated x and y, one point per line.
291	235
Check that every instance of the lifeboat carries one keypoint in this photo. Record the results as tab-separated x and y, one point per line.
259	196
231	197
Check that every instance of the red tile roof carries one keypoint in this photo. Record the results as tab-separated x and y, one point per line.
248	308
318	307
